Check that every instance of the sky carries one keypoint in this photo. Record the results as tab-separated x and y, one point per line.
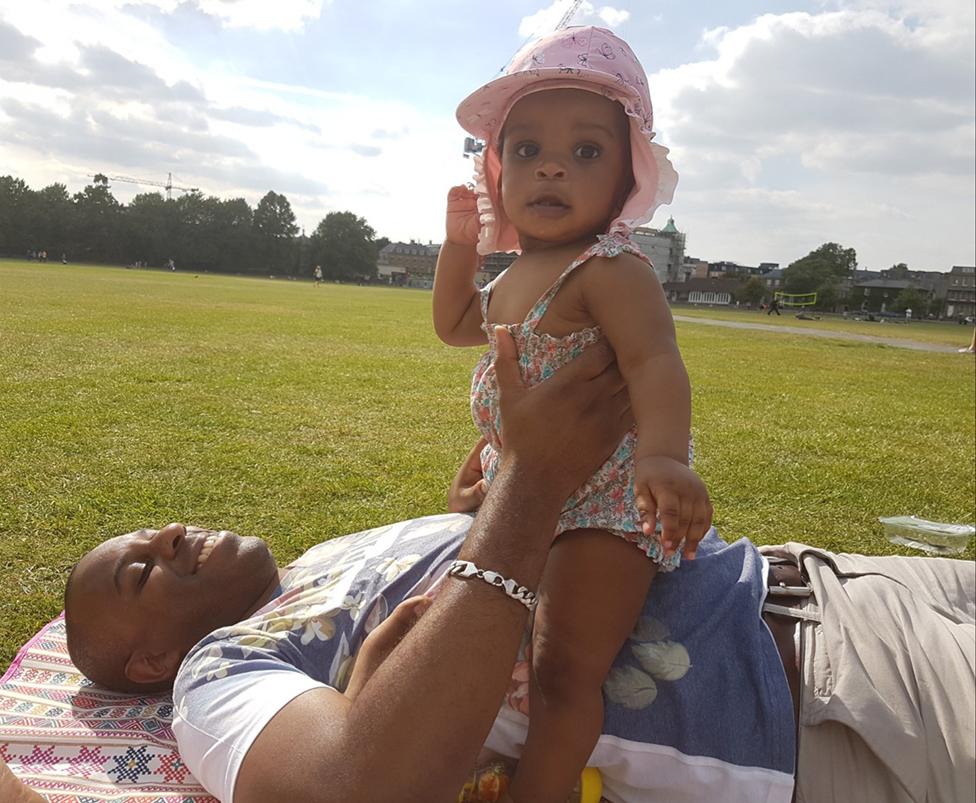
791	122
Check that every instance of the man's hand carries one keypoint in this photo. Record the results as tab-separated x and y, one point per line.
469	487
567	426
672	492
463	220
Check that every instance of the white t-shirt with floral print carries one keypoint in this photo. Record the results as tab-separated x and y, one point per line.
697	704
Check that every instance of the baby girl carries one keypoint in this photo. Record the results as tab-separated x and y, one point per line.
568	170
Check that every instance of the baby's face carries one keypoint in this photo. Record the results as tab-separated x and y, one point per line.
565	165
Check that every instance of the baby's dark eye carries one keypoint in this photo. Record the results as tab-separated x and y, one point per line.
586	152
526	150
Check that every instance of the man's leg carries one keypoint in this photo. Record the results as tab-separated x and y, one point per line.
887	700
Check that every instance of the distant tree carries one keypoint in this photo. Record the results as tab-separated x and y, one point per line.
343	245
150	221
51	219
98	219
194	245
234	234
914	299
275	228
198	232
15	197
829	296
821	272
899	271
751	291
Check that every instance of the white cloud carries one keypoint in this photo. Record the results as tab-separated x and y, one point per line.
114	95
545	20
612	16
287	15
854	125
262	15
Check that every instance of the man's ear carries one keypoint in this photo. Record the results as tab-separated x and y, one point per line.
152	667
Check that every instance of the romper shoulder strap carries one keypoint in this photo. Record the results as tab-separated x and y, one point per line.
484	296
607	245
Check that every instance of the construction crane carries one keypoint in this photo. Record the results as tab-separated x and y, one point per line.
568	16
168	185
473	146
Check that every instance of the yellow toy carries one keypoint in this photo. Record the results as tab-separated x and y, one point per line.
591	786
490	783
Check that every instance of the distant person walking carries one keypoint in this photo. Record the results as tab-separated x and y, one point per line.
971	348
317	274
774	307
908	314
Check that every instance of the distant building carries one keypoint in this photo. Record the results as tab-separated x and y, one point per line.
726	269
709	292
880	294
408	264
960	298
773	279
492	265
693	268
664	247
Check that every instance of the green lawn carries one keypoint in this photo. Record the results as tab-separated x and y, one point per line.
299	413
947	333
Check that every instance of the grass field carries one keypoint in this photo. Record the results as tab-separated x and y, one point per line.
948	333
299	413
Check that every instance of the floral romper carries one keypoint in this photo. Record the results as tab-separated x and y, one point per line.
606	501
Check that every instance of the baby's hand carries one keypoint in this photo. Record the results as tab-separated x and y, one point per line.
672	492
463	220
468	490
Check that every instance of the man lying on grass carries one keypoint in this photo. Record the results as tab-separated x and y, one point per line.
377	668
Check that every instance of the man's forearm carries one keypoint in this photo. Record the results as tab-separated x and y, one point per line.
446	680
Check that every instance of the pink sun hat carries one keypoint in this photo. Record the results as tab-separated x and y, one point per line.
588	58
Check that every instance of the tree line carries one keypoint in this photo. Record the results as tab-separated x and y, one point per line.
196	232
824	271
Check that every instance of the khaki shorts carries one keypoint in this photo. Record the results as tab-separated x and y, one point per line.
888	679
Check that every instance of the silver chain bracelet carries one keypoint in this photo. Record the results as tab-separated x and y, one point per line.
466	569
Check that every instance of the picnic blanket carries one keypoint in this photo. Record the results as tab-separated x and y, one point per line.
76	743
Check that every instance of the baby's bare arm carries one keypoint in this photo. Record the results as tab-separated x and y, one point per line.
456	308
626	300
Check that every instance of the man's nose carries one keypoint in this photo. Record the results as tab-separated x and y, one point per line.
168	541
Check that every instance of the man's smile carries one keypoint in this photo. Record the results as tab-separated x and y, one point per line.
205	549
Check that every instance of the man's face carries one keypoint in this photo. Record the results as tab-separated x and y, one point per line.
155	593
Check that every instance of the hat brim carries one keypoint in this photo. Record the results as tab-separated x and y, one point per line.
483	112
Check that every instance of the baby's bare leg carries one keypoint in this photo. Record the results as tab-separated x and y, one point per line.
592	592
